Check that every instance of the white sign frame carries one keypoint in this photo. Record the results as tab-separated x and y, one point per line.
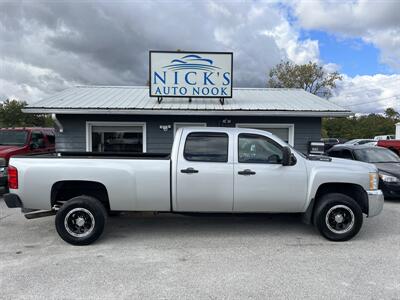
193	90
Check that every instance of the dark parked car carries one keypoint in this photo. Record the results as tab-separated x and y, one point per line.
330	142
387	162
360	141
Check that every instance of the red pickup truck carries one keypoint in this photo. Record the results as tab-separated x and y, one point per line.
393	145
15	141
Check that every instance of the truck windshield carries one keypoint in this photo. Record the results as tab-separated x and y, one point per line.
376	155
13	137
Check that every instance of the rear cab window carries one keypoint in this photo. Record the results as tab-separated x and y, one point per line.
51	138
37	140
206	147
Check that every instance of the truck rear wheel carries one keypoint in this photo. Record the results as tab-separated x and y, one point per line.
338	217
81	220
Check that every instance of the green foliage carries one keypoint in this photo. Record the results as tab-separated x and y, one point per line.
391	113
310	77
366	126
11	115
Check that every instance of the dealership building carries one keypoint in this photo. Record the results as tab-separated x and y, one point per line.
185	89
127	118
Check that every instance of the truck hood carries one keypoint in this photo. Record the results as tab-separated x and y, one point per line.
6	151
345	164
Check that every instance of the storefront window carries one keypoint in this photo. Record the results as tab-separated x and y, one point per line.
117	139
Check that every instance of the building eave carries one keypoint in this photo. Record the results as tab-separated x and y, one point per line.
282	113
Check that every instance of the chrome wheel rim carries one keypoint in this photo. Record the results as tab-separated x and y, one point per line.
79	222
339	219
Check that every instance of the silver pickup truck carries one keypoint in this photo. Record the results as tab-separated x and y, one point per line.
213	170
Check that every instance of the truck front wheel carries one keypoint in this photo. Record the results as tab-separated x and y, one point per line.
81	220
338	217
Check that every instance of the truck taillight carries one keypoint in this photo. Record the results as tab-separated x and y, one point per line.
12	177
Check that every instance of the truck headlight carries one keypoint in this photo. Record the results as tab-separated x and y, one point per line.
388	178
373	181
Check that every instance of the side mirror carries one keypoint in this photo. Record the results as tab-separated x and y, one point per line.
286	156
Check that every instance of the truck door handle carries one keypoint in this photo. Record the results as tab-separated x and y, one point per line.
247	172
189	171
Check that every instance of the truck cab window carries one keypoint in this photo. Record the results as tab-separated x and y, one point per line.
37	140
335	153
255	148
51	139
207	147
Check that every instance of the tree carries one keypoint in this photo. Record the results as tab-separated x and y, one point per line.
391	113
310	77
366	126
11	115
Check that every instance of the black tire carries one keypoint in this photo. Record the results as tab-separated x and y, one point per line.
80	209
338	217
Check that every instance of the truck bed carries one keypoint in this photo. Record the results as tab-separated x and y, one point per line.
139	182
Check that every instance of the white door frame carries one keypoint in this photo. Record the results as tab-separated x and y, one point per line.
271	125
90	124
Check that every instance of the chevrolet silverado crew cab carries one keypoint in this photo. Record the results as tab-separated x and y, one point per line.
210	170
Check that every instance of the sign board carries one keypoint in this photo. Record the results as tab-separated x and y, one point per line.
190	74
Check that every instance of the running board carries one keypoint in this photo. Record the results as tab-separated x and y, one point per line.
40	214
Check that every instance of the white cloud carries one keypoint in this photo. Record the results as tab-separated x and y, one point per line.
48	46
363	94
288	41
376	22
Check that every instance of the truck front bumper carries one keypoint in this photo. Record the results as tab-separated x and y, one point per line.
375	202
12	200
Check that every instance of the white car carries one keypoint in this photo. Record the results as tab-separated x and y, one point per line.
384	137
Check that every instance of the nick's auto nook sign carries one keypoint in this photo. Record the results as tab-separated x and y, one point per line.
191	74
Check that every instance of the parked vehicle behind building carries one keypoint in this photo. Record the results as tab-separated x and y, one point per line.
218	170
387	162
14	141
393	145
384	137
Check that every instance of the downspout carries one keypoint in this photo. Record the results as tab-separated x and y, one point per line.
57	122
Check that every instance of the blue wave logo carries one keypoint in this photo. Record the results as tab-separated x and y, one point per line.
193	62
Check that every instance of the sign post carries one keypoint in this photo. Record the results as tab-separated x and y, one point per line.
190	74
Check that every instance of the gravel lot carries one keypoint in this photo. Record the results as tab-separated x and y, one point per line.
180	257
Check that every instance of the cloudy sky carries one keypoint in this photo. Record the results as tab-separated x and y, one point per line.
51	45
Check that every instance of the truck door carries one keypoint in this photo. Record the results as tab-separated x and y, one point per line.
204	175
261	182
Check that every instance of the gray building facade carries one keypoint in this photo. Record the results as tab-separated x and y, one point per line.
127	119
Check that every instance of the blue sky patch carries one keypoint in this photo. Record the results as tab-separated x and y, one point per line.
353	55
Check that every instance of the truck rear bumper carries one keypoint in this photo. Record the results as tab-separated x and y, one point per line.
375	202
12	200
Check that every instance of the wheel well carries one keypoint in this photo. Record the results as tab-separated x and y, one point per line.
354	191
65	190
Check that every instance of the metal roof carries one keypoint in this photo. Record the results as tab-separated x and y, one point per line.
136	100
